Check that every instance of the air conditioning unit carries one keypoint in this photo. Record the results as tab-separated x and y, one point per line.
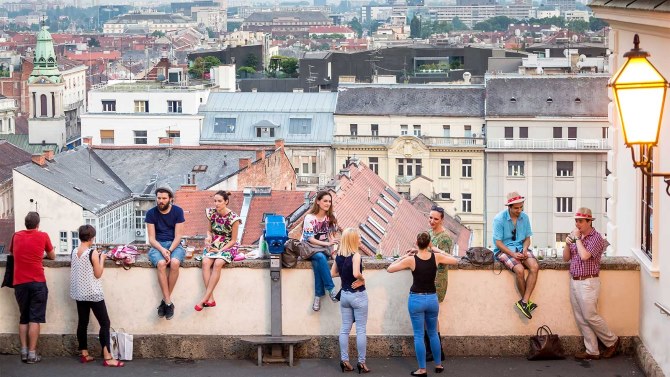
139	233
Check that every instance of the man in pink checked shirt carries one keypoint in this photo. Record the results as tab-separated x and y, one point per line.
584	247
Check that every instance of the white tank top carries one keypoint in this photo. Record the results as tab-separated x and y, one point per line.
83	284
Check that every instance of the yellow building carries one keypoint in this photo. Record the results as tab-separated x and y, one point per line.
421	140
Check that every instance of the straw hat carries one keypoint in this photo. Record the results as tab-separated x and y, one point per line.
513	198
584	213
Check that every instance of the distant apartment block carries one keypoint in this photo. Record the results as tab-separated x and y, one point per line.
420	140
562	5
472	14
144	113
147	23
285	23
547	137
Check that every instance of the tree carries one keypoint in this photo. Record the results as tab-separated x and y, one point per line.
578	26
457	24
289	66
251	61
246	71
356	26
93	42
596	24
201	65
415	27
158	34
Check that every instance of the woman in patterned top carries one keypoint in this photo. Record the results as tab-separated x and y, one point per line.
86	288
318	229
221	245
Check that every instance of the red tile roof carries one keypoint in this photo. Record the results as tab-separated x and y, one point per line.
279	202
359	198
89	56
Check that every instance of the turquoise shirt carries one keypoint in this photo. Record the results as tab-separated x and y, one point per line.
503	227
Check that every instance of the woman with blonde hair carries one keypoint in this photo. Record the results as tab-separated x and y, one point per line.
354	299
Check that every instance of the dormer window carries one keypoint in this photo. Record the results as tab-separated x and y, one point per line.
265	132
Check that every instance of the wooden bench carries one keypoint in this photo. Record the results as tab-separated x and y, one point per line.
265	340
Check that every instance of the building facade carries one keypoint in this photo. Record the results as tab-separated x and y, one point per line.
144	113
147	23
8	111
420	140
303	120
640	207
285	23
547	138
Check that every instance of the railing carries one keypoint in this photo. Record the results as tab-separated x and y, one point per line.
428	140
664	310
577	144
307	180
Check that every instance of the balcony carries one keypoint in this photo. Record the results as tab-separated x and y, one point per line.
549	144
431	141
307	180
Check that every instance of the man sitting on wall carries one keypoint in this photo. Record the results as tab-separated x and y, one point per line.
165	224
511	240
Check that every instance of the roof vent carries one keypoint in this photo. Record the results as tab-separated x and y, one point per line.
513	100
578	100
549	100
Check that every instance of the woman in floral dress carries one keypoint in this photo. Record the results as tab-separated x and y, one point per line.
220	245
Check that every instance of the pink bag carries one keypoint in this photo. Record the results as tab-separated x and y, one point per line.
124	255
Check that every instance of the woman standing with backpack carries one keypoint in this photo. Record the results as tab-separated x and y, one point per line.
87	265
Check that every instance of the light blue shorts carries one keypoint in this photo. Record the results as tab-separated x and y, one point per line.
156	256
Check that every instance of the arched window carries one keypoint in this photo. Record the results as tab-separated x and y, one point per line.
43	105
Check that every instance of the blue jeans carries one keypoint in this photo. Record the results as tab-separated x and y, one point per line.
423	309
354	305
322	279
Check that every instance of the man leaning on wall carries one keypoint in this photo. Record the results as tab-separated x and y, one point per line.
30	287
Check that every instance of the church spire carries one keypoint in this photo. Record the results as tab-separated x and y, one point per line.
45	66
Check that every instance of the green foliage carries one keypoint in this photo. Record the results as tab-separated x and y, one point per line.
415	27
328	36
498	23
246	71
457	24
578	26
439	27
251	61
356	26
290	66
287	66
93	42
555	21
158	34
596	24
202	65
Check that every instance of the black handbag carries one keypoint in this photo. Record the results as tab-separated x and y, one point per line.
479	256
545	345
8	280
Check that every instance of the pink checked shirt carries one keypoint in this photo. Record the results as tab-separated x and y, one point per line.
594	244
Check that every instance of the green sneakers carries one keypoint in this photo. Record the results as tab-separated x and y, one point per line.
524	309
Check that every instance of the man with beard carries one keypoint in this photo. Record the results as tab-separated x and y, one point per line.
165	224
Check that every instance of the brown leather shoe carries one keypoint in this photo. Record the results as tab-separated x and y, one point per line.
582	355
611	351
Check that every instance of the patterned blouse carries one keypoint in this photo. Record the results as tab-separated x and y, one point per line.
221	227
84	286
312	227
443	242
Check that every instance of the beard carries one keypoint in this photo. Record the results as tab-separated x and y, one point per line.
163	207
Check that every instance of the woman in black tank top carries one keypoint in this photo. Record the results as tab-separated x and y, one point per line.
422	304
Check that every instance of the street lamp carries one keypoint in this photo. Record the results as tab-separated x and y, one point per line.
639	93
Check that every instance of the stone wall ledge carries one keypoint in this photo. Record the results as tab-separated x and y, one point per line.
607	263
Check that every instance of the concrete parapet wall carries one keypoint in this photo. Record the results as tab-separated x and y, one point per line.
478	317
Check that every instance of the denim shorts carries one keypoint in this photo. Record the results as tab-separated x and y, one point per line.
156	256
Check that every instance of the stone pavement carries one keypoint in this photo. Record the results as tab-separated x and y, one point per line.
620	366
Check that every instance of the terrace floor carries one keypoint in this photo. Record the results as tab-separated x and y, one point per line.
620	366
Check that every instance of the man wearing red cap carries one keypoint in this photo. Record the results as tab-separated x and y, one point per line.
511	240
584	247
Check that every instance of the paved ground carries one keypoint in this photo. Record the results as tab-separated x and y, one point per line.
621	366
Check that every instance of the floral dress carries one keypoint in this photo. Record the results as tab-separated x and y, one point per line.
443	242
221	227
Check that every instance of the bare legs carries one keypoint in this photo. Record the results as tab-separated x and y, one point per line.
167	280
526	285
28	334
211	273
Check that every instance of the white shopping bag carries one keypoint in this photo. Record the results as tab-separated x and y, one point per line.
121	345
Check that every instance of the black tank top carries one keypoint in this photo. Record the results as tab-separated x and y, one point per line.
424	275
345	266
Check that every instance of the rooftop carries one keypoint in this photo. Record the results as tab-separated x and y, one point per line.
12	156
147	86
302	16
21	141
646	5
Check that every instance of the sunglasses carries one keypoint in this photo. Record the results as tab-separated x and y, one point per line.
514	234
438	209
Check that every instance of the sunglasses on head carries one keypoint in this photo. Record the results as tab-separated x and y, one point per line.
438	209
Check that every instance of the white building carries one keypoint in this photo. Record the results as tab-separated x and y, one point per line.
8	111
638	217
147	23
144	113
547	138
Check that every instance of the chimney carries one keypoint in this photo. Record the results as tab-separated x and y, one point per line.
48	155
279	143
88	140
188	187
260	155
244	162
39	159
